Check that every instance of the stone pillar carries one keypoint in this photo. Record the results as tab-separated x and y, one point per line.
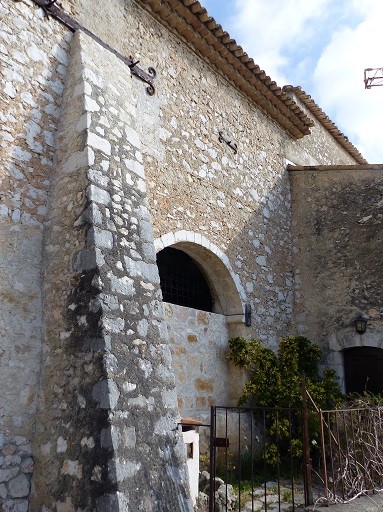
107	436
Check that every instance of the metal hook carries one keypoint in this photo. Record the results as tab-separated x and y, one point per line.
231	145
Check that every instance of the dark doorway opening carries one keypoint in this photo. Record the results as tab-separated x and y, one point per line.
363	370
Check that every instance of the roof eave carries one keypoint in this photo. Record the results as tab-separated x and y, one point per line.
326	122
188	19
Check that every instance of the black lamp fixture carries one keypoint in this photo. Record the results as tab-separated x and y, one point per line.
360	324
247	315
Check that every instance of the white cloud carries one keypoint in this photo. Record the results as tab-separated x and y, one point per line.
338	80
269	30
324	46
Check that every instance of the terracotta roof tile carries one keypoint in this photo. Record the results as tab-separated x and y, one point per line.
318	113
229	58
191	421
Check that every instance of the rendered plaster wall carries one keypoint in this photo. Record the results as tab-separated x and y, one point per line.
108	420
337	227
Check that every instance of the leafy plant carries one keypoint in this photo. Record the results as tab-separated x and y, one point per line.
275	381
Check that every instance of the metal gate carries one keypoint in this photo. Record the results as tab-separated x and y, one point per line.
352	453
257	459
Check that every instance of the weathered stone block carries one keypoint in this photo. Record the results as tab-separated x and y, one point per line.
8	474
19	487
15	505
106	393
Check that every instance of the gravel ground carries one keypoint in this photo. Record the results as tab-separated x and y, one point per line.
371	503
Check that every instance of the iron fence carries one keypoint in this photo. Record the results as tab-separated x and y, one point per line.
259	454
352	452
263	457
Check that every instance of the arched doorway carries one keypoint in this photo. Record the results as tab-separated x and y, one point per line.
363	368
203	304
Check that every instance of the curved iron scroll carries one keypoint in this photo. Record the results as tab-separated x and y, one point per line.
146	77
52	9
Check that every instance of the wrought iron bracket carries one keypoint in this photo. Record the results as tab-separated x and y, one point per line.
232	145
146	77
52	9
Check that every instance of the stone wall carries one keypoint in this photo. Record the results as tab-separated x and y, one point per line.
337	238
16	467
33	55
79	284
198	343
318	149
240	202
108	403
33	61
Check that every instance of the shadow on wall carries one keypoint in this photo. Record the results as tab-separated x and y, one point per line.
338	237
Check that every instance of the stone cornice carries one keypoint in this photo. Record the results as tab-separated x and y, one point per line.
189	20
318	113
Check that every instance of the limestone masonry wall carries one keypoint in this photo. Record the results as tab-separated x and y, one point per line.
93	169
16	467
107	366
198	343
240	202
318	149
33	56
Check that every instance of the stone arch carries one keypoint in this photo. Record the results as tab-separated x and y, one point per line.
348	338
224	282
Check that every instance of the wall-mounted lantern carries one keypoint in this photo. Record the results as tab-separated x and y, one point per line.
247	315
360	325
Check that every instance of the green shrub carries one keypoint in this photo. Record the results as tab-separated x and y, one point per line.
276	381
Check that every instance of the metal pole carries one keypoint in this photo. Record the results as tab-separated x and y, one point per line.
309	500
212	461
325	479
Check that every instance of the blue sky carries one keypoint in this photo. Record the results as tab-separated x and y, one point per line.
321	45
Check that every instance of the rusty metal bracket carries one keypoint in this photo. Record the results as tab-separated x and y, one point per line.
232	145
146	77
52	9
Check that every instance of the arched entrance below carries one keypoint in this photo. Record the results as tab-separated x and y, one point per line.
200	324
347	339
228	294
363	367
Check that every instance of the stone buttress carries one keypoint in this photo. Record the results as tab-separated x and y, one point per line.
107	434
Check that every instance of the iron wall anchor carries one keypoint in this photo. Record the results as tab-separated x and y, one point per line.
146	77
52	9
232	145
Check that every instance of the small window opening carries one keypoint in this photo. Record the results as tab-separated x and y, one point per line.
190	450
182	281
